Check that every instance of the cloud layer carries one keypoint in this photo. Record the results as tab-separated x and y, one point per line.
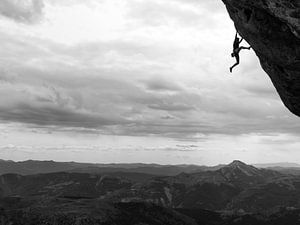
25	11
132	68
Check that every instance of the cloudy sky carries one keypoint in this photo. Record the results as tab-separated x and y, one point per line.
134	81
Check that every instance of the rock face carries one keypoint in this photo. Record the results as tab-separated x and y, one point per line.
272	28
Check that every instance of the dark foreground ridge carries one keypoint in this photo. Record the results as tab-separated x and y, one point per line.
272	28
234	194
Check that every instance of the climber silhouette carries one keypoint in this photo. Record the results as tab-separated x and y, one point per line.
236	50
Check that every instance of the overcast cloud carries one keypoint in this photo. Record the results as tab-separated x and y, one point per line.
25	11
132	72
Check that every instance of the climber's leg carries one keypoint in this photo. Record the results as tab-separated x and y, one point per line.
237	61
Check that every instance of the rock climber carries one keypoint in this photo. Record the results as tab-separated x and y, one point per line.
236	50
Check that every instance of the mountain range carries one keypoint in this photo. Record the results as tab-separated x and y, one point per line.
236	186
34	167
224	194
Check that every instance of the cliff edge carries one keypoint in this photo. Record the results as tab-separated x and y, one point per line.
272	28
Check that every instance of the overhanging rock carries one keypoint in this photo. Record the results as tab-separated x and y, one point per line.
272	28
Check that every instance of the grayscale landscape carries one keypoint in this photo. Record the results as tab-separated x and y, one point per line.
149	112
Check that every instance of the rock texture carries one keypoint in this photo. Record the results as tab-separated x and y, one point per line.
272	28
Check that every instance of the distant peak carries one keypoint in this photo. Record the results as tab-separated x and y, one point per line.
242	167
237	163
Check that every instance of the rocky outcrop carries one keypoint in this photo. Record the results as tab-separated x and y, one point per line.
272	28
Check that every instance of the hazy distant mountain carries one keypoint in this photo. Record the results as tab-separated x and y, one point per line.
35	167
285	168
160	171
212	190
236	187
279	164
